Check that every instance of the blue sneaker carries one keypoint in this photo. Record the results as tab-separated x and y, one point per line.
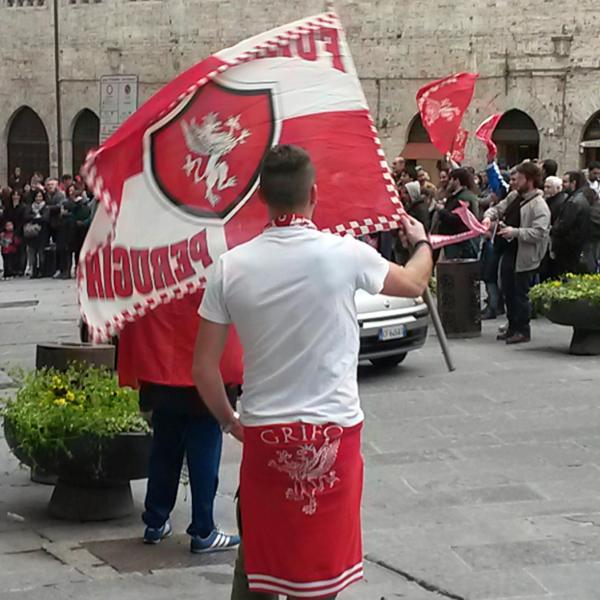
214	542
154	535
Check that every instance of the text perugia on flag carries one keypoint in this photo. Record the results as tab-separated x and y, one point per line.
206	156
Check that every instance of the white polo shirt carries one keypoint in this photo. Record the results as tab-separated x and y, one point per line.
290	293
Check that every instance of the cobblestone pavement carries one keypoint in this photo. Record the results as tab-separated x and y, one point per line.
480	484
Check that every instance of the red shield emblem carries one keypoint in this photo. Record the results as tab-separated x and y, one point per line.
207	158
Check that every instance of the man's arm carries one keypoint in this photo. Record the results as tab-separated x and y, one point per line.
411	280
206	372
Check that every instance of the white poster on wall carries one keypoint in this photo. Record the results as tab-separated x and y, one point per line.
118	100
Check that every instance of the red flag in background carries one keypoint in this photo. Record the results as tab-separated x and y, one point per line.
442	105
460	145
486	130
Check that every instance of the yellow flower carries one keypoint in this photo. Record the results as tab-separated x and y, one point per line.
60	402
70	396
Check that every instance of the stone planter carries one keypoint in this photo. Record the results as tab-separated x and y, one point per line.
584	318
93	474
58	356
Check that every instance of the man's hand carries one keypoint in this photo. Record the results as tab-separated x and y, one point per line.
508	233
412	231
487	223
237	430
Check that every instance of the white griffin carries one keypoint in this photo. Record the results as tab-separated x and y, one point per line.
213	140
435	110
310	471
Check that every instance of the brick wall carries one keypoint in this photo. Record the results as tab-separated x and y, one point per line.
397	47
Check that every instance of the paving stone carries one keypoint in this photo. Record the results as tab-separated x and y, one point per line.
403	458
13	542
578	579
523	554
34	569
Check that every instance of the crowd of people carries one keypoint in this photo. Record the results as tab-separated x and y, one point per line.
43	223
539	226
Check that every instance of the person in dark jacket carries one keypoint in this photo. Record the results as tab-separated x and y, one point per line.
15	213
571	231
16	181
417	204
81	216
36	233
555	198
461	189
65	235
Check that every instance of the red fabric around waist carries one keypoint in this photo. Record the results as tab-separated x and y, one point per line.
300	495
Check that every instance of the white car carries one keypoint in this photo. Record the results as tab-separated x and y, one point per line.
390	327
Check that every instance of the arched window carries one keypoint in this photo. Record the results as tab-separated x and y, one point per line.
517	138
590	143
28	144
86	135
417	133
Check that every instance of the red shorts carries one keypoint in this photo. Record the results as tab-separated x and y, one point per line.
300	497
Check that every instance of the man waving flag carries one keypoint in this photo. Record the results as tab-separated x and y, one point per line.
177	182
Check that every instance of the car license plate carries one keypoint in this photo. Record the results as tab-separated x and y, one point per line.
393	332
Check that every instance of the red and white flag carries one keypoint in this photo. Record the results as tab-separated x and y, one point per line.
459	145
442	105
486	130
177	182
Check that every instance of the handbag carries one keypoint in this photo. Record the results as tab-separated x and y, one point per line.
31	230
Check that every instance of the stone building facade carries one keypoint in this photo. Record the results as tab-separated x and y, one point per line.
538	59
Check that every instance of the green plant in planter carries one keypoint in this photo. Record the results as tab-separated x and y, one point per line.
568	289
52	407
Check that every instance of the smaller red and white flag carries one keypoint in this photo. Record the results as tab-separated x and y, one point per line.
486	130
460	145
442	105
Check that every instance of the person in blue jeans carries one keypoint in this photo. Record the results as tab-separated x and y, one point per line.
155	355
183	427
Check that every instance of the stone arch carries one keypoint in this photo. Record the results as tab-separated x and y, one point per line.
590	140
416	132
517	137
27	143
85	135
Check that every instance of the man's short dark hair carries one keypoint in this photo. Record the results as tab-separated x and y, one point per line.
464	176
531	171
578	178
594	165
550	167
286	177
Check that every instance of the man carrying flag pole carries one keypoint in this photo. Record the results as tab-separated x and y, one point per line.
290	294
